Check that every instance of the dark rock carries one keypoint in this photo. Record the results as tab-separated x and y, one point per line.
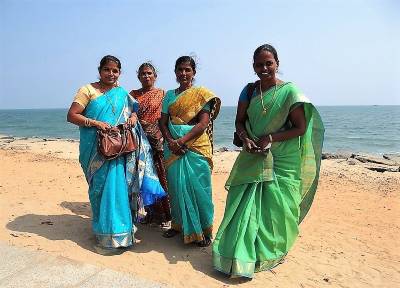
383	168
352	161
7	138
223	149
393	157
373	159
335	155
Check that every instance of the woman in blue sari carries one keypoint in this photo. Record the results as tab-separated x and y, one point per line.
118	187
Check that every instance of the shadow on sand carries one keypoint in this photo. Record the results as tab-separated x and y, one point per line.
77	228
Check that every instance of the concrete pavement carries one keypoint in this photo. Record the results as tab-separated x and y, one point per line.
20	267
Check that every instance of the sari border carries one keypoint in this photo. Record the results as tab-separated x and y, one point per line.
116	240
194	237
202	96
235	267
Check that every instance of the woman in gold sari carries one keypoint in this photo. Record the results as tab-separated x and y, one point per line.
186	123
150	100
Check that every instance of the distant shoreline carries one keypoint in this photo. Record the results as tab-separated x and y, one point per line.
227	106
8	140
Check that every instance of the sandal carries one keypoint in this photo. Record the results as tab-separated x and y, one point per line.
205	242
170	233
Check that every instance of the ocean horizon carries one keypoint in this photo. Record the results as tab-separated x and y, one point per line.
372	129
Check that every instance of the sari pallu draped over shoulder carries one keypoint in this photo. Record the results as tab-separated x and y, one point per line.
269	195
189	175
116	187
149	113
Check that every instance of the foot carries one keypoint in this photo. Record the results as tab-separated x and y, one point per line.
205	242
170	233
166	224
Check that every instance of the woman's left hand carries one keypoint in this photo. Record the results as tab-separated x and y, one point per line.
264	143
132	120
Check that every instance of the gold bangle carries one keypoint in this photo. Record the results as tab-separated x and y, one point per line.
88	122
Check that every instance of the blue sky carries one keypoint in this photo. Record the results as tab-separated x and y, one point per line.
337	52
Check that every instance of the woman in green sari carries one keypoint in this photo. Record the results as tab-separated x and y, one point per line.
186	124
274	179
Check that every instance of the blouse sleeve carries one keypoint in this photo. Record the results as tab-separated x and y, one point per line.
82	97
243	95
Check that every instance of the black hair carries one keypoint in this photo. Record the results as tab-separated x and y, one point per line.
107	59
266	47
184	59
148	65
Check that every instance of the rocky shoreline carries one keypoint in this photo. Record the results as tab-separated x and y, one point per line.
384	163
378	163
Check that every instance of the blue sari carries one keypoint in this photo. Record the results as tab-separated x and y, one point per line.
118	187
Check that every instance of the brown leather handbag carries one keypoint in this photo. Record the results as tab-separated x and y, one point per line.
116	141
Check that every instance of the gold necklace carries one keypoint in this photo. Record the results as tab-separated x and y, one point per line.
107	96
262	100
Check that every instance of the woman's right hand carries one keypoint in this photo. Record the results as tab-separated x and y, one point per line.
175	147
102	125
249	145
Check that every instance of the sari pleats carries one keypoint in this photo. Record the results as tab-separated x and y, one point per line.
189	175
265	202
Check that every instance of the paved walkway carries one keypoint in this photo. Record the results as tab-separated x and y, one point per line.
21	268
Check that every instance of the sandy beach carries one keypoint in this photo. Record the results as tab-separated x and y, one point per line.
349	238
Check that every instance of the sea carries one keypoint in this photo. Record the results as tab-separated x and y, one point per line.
354	129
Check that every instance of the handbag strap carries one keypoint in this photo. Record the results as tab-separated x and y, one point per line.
250	90
123	138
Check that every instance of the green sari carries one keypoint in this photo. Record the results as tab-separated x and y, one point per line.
268	196
189	175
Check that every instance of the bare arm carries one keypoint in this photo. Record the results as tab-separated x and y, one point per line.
173	145
298	121
177	146
241	116
163	122
203	119
75	117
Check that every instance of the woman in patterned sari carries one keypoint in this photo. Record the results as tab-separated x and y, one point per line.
274	179
150	100
115	186
186	124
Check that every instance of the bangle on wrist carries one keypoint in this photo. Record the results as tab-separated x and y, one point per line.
88	122
270	138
